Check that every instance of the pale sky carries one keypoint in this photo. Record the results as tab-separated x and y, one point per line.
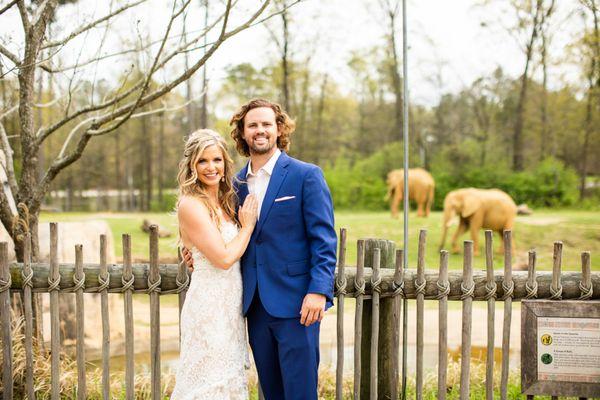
444	36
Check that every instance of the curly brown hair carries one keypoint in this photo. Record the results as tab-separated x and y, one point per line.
285	125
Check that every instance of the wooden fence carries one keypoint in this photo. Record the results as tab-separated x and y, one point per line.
378	283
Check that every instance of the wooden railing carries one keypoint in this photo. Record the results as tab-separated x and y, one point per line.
378	283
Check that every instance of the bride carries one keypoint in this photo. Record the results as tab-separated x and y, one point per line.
213	341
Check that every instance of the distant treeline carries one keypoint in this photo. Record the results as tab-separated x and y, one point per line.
352	129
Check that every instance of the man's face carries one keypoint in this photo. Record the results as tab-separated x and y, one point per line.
260	130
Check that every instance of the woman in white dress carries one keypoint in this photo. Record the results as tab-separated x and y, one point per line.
213	341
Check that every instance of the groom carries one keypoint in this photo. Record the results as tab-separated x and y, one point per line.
288	267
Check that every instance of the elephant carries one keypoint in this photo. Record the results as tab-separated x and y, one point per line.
421	188
478	209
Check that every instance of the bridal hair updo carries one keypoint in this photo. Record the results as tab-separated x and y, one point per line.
187	177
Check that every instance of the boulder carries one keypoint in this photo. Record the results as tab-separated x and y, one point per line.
523	209
86	233
162	232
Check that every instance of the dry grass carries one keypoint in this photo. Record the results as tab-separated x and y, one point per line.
68	379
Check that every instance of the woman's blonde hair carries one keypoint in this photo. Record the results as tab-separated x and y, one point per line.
187	177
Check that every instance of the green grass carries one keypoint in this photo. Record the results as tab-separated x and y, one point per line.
578	230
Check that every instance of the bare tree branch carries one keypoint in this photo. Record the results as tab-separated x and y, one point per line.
155	62
44	133
62	162
24	17
8	54
74	34
88	121
8	6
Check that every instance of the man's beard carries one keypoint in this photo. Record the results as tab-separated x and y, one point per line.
263	149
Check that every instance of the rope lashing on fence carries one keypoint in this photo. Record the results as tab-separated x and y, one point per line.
181	285
509	288
5	284
53	284
420	287
104	282
556	293
586	292
467	291
490	290
127	284
398	289
532	290
154	286
443	288
375	284
27	279
359	288
341	282
78	283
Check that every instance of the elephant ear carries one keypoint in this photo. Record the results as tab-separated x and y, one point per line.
471	203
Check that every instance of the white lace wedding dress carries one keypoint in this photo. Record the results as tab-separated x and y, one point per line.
213	333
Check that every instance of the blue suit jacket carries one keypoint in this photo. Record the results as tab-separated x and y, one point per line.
292	250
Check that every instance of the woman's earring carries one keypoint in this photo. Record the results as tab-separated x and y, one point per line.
223	178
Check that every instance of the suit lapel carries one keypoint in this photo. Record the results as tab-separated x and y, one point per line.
240	186
277	178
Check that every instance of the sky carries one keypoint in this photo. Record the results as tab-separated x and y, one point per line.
445	38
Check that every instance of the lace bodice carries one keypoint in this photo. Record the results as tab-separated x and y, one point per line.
213	332
228	231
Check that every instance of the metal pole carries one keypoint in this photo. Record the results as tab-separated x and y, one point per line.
406	205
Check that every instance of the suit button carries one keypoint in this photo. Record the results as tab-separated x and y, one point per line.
258	241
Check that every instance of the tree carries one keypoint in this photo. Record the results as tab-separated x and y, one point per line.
591	44
100	116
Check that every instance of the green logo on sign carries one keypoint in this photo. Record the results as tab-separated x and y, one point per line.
546	358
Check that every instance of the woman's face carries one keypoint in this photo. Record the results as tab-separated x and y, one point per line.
210	167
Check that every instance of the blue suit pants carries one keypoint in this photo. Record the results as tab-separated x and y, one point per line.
286	354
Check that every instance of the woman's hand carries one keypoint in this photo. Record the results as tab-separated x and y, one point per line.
248	213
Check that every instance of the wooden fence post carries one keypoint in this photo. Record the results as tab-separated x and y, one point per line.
5	310
385	376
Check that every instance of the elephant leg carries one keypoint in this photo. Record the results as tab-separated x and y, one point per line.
396	202
420	209
501	248
462	228
429	201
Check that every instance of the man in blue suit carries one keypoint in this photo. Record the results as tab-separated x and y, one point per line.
288	267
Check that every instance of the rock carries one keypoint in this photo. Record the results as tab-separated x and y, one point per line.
86	233
162	232
523	209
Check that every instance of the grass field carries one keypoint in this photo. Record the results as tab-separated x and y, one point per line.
578	230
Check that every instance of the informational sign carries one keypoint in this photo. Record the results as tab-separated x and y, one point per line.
560	348
568	349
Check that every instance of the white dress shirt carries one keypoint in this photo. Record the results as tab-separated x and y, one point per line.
259	181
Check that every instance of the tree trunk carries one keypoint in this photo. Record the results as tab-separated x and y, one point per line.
118	176
284	60
204	103
593	92
161	153
544	134
517	142
396	80
320	112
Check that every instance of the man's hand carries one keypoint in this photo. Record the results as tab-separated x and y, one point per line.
187	258
313	309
